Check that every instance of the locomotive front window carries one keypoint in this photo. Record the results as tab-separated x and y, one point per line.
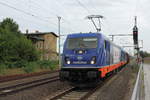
86	42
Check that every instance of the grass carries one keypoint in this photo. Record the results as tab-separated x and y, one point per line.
12	71
15	71
147	60
134	66
29	67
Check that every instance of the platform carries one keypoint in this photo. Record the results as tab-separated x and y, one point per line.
146	69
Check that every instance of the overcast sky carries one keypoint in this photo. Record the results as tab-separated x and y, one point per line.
119	15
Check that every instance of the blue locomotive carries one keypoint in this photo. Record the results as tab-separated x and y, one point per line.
89	57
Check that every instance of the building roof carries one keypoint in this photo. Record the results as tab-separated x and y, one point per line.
36	38
41	33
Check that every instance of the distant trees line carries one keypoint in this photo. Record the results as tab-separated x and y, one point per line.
144	54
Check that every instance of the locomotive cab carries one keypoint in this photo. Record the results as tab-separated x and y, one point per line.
80	55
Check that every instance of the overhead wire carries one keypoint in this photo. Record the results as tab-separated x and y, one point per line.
64	19
4	4
31	14
27	13
38	6
92	5
83	6
54	14
39	17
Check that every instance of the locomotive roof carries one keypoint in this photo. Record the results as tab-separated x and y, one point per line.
75	35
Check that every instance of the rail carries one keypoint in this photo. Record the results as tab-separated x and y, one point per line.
22	76
75	93
21	86
136	95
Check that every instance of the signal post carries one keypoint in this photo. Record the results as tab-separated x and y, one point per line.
135	39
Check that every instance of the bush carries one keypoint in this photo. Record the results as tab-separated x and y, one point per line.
20	64
44	64
2	68
26	50
30	67
16	64
48	64
54	64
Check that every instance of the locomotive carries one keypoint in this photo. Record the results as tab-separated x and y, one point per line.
90	57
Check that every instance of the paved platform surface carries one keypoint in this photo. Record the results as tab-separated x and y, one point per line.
146	68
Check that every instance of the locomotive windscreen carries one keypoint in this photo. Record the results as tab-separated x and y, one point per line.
84	42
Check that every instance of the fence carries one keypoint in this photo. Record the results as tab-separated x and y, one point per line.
136	95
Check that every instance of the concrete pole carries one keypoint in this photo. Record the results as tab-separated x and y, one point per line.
59	18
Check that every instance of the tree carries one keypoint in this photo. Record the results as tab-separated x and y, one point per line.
14	46
9	26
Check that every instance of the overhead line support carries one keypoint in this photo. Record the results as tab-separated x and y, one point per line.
59	18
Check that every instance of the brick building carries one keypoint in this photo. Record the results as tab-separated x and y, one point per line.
46	43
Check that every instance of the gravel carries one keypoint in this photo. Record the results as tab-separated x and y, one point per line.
36	93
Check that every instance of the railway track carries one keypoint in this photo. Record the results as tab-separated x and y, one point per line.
21	86
22	76
75	93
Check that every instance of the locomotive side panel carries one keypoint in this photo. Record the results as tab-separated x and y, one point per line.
111	53
116	55
107	51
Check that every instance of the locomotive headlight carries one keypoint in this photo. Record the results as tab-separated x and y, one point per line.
80	51
93	60
68	62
